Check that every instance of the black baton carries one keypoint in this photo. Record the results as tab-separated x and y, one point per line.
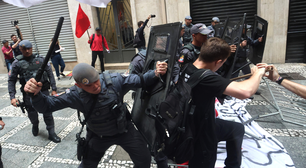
43	66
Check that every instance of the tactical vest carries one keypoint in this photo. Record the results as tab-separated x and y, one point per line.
29	68
187	37
109	115
195	52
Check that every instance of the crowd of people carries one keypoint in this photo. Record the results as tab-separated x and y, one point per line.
100	96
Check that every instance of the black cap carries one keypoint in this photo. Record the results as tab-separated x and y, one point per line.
4	41
98	28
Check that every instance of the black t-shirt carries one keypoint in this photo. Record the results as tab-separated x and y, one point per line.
56	47
204	95
16	50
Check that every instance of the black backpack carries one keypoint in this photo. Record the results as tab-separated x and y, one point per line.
136	40
175	126
93	38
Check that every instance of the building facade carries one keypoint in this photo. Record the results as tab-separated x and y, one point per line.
285	40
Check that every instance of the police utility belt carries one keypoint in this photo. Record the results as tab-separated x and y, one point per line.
109	116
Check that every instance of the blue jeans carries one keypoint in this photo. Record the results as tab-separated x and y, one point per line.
9	64
56	61
141	48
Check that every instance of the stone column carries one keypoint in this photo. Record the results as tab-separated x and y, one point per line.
276	12
177	10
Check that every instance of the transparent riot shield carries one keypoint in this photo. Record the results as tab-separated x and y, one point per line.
260	29
162	46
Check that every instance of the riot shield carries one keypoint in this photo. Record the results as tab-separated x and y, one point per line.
260	29
232	35
161	47
219	28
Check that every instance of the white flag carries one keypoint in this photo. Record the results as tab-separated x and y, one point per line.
24	3
96	3
28	3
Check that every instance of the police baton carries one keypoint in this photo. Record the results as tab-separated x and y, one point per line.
44	64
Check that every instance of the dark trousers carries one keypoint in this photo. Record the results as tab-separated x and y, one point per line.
94	58
56	61
228	131
131	141
33	115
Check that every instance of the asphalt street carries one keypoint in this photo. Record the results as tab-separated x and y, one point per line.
21	149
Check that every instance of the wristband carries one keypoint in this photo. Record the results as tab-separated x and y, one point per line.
279	80
0	118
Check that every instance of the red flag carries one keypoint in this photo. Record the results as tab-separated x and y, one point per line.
82	23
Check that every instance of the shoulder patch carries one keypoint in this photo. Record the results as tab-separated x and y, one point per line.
181	60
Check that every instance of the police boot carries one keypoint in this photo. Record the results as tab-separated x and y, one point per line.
53	137
35	130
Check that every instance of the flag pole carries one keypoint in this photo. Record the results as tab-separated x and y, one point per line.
88	34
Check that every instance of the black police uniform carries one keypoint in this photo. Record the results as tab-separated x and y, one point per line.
189	54
26	68
102	127
187	37
137	62
242	55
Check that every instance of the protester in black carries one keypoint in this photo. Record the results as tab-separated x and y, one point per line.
15	43
141	26
209	130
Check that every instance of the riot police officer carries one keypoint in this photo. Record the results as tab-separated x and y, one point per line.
137	63
109	122
187	37
26	66
214	21
191	51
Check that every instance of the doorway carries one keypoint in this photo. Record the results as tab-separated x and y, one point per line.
116	23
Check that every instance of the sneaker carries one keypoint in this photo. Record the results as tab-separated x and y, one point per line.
63	74
58	78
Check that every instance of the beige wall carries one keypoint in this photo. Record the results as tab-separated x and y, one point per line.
166	11
276	12
177	10
141	9
82	47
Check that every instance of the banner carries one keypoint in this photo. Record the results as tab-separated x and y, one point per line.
259	148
